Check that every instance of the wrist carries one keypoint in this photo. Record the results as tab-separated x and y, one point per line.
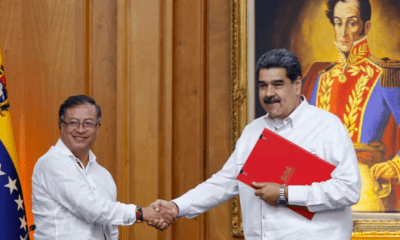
139	214
176	207
287	192
282	195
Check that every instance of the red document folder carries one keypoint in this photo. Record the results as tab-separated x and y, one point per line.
276	159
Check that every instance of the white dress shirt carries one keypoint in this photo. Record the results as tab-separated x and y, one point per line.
315	130
71	202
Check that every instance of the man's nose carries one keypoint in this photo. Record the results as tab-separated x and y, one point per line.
269	91
81	128
345	30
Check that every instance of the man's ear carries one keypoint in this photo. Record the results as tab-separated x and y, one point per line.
367	27
298	84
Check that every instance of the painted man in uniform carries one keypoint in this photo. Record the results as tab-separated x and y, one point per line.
364	92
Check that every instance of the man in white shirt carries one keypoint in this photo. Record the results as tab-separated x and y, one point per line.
318	131
73	197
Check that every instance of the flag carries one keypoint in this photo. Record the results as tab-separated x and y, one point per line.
13	224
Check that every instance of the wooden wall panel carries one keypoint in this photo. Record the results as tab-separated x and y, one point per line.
123	70
166	107
159	70
144	103
102	79
219	111
189	122
44	41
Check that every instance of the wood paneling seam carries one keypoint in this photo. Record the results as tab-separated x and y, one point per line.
88	48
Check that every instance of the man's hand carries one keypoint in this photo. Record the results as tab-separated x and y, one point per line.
162	217
383	170
169	209
269	192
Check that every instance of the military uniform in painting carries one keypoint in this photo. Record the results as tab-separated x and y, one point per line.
364	92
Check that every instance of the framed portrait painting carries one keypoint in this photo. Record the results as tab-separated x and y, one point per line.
351	68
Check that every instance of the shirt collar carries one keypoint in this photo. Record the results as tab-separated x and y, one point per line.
354	43
297	113
64	149
295	116
359	49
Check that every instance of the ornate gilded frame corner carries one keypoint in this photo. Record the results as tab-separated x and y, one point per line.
239	72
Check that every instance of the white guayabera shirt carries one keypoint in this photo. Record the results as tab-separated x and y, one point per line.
315	130
70	202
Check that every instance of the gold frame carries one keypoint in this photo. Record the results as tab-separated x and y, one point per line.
239	107
366	225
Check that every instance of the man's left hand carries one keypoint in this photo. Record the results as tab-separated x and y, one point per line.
169	210
162	218
269	192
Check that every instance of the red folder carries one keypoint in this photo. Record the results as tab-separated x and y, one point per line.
276	159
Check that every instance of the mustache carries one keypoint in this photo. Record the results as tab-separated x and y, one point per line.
271	100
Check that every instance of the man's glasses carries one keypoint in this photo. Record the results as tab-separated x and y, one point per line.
76	124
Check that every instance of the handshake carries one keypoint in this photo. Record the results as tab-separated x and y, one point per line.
160	214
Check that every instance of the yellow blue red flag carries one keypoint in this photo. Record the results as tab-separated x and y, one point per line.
13	223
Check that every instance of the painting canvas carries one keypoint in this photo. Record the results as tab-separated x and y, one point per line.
367	107
361	84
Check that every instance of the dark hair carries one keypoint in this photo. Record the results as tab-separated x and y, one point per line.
75	101
280	58
364	6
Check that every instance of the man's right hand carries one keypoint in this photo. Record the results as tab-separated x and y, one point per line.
150	215
383	170
167	208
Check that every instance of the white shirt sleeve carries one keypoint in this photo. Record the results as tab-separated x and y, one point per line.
344	188
221	187
69	188
113	229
